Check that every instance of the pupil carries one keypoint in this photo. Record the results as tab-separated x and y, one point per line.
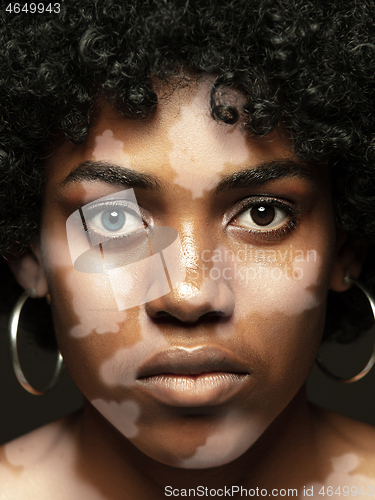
113	218
262	212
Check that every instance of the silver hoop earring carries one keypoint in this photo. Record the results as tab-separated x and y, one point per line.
370	364
13	330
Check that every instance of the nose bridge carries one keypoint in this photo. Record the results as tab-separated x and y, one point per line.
197	245
198	292
192	246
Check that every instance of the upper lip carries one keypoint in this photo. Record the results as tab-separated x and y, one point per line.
192	361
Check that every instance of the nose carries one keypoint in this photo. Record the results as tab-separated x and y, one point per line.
200	295
190	301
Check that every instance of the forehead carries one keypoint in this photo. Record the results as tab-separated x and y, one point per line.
180	142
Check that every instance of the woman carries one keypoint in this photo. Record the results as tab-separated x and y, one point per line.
195	180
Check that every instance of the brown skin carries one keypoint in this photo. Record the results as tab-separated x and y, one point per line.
278	344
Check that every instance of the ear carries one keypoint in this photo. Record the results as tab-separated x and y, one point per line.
29	270
350	255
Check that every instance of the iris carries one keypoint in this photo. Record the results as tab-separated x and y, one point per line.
113	220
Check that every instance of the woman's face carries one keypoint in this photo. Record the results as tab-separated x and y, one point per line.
189	284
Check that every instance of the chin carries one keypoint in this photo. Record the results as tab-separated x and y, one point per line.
226	441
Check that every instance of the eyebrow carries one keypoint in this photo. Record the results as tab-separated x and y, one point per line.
112	174
262	173
248	177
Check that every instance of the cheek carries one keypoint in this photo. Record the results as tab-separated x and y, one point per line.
112	343
84	304
287	281
285	303
104	363
103	348
280	306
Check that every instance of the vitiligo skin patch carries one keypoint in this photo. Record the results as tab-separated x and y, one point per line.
42	465
229	440
121	368
122	415
189	146
343	480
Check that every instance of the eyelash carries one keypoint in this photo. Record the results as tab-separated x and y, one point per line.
271	234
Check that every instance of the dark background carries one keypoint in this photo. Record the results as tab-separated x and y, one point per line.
21	412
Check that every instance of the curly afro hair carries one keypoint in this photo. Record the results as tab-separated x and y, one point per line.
306	63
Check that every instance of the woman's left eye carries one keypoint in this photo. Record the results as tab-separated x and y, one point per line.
115	221
262	217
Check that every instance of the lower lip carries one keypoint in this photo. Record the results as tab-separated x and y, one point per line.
205	389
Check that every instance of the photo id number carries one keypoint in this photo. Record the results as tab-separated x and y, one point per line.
33	8
346	491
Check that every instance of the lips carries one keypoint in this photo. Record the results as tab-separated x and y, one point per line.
200	376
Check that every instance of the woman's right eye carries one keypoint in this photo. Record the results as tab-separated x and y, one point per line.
114	221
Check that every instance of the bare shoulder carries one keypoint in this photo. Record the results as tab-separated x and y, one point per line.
346	431
38	464
349	443
23	460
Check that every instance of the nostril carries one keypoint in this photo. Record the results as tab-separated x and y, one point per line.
210	302
162	314
212	315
